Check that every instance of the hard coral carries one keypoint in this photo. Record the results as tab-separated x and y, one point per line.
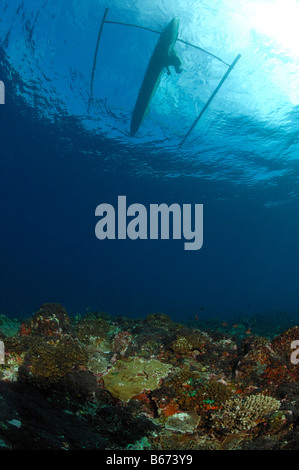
158	319
186	422
121	342
281	344
184	387
266	362
47	362
240	414
92	330
50	320
188	342
213	395
129	377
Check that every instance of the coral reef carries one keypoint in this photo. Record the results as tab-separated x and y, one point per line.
101	382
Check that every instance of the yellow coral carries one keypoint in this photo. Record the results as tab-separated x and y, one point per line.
129	377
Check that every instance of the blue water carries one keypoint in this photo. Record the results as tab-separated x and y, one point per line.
58	161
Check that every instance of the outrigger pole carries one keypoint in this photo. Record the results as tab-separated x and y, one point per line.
95	57
230	67
210	99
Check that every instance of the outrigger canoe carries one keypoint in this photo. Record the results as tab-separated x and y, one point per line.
163	57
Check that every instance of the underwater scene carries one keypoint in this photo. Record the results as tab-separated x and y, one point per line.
149	200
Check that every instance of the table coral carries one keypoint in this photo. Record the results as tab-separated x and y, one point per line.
129	377
186	422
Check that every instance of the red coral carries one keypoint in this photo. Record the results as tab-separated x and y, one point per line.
25	330
170	409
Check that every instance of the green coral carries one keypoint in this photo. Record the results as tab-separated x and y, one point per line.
129	377
9	326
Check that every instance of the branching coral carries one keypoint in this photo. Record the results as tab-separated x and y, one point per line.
240	414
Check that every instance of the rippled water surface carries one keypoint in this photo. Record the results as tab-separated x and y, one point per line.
62	155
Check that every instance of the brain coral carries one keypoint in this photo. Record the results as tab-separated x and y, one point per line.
129	377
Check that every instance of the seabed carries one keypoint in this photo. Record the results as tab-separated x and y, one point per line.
102	382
